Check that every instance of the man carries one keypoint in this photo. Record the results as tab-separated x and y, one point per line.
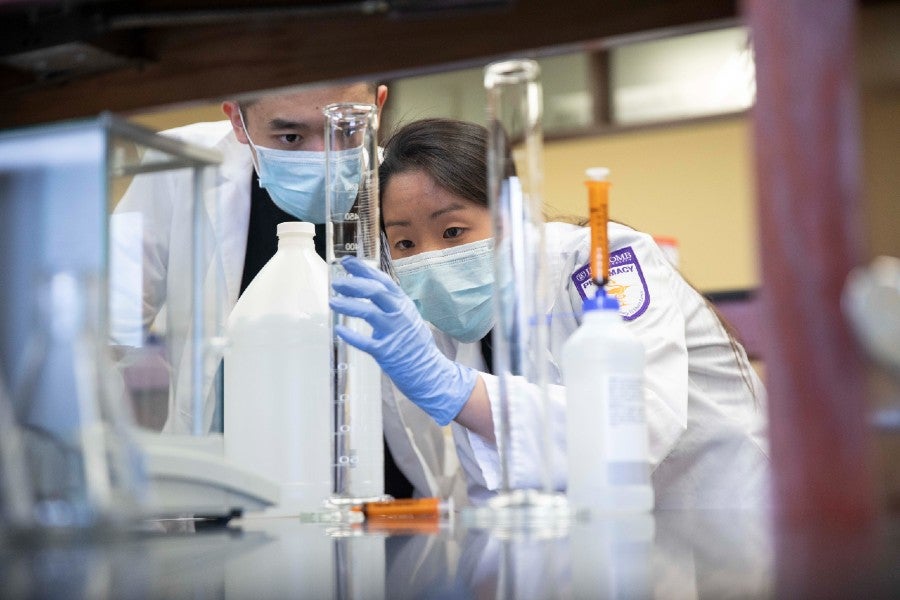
243	206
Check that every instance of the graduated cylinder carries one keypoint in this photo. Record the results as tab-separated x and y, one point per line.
515	178
351	200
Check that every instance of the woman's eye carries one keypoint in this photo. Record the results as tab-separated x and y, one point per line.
403	245
453	232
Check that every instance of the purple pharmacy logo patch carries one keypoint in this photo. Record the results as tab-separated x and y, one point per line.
626	283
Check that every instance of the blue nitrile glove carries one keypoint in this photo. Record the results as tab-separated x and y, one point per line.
401	342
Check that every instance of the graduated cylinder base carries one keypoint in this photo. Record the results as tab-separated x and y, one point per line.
521	508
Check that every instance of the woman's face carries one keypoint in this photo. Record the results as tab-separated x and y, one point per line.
419	216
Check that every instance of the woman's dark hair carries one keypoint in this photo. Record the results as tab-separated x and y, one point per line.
453	153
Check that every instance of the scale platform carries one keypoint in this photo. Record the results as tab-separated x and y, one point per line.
189	475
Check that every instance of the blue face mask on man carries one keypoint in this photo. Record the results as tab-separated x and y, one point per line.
295	179
453	288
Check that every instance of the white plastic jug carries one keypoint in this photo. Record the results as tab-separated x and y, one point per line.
277	407
606	436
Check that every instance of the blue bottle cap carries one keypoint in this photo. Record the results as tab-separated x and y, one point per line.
601	301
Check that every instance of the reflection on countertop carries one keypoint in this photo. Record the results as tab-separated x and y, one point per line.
669	554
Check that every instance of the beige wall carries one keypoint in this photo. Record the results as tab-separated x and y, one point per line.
690	181
879	71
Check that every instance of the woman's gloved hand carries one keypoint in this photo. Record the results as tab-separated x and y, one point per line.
401	341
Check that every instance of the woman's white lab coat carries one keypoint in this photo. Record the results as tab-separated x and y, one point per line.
159	206
708	444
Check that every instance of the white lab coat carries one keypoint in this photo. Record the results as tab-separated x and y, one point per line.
708	444
419	446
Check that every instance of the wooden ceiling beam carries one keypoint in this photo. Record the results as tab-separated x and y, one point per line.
198	63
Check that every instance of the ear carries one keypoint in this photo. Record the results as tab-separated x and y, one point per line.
233	112
381	95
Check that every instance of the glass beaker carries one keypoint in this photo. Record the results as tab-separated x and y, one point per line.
85	468
520	334
351	201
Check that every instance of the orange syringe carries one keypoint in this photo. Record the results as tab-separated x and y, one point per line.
598	214
406	507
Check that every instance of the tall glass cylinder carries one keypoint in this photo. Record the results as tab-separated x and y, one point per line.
520	334
351	200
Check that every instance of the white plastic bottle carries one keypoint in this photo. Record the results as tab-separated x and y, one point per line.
608	457
277	401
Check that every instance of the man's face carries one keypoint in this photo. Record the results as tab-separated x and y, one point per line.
293	121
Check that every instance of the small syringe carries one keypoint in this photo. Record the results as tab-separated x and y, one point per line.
406	508
598	213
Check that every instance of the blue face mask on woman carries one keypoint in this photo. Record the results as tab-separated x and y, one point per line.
295	179
452	288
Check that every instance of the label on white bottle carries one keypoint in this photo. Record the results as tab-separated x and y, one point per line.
626	444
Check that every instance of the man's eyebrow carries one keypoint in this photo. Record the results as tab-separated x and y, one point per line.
279	124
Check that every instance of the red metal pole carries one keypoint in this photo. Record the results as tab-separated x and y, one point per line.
805	124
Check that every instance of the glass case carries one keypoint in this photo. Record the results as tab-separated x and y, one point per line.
111	320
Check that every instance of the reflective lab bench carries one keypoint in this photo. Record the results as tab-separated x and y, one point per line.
670	554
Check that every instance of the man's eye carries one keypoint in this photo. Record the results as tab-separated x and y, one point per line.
453	232
290	138
403	245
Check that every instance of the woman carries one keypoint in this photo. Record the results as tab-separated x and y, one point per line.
705	405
